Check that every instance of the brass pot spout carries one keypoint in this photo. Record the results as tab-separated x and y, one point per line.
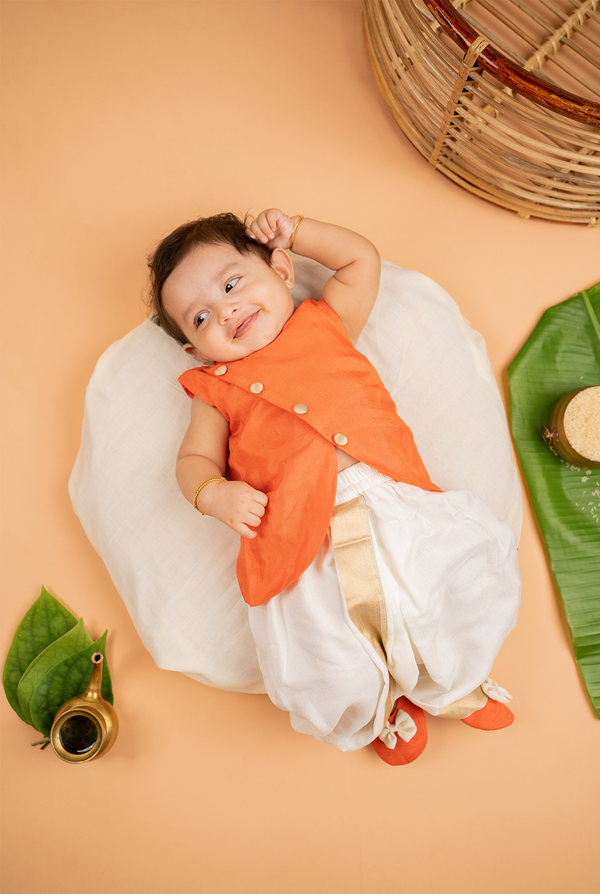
86	726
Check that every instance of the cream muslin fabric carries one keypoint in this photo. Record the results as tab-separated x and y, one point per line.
174	569
451	588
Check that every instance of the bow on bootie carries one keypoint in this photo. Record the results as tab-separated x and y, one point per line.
404	736
404	727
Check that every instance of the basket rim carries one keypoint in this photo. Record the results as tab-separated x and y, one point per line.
513	76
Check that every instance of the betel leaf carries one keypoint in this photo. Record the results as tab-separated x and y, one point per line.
45	622
66	679
562	354
70	643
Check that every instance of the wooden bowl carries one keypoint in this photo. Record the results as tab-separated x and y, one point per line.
555	434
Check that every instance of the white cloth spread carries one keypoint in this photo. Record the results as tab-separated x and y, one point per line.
176	570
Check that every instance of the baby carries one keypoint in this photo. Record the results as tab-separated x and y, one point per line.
373	596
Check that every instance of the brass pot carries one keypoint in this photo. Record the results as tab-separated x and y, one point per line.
555	436
86	726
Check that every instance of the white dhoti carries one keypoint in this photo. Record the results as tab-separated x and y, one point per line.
418	606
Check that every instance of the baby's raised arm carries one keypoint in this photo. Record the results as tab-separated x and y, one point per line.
352	290
203	455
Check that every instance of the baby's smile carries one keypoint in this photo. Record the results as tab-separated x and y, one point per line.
244	326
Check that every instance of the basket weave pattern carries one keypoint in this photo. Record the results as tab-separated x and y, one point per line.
485	115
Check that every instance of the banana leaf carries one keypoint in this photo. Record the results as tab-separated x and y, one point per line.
562	354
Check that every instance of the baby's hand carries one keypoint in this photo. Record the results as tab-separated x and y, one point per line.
236	504
272	227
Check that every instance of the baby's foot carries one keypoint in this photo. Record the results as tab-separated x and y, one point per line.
495	714
404	736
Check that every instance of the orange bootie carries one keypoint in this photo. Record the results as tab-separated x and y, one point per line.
493	715
402	752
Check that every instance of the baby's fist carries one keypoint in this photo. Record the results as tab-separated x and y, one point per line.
272	227
237	505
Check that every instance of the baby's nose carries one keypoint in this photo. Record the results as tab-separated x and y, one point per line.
228	311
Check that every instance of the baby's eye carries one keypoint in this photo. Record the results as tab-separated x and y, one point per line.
200	319
231	283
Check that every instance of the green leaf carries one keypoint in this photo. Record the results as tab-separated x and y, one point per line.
562	354
63	681
70	643
45	622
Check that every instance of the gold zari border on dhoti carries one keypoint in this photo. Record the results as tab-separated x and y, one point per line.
363	592
465	706
359	574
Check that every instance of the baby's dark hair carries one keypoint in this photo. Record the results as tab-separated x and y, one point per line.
220	229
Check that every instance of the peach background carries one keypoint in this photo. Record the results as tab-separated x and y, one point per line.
122	119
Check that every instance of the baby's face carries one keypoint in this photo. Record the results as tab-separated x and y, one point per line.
227	304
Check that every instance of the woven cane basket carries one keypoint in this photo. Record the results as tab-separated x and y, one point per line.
498	95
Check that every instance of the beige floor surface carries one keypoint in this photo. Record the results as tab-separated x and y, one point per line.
121	119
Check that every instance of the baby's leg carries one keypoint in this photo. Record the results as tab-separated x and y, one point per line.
450	576
449	570
317	665
485	708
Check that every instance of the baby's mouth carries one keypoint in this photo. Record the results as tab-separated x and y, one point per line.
245	325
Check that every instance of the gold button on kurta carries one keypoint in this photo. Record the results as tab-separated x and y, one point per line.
340	440
300	409
220	370
256	387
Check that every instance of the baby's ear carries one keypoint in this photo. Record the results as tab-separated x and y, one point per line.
193	352
282	265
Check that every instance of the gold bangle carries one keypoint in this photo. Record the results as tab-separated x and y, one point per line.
199	488
300	217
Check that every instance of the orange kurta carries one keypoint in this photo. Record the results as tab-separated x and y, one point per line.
317	390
